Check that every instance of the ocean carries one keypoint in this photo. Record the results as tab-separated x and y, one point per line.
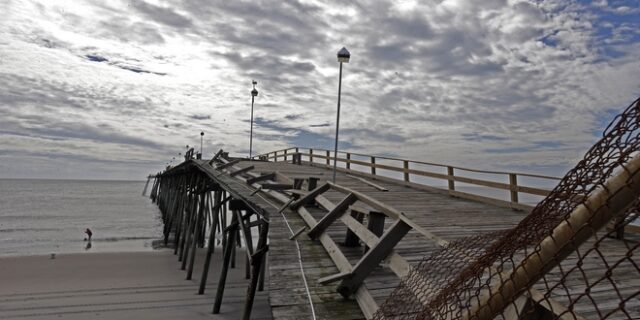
50	216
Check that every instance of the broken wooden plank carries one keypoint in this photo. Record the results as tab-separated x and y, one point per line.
332	216
241	171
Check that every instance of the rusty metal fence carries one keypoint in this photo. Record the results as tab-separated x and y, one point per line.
551	265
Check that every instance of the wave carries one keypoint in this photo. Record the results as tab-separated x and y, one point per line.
28	229
112	239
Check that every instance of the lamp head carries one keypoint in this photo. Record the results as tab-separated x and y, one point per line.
254	92
344	55
201	133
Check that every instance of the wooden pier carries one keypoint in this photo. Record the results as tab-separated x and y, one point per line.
360	247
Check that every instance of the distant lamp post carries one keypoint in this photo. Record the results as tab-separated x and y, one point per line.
201	137
254	93
343	56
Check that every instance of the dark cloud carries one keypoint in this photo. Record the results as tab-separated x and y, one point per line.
162	14
121	28
295	136
44	128
200	116
96	58
137	69
293	117
482	137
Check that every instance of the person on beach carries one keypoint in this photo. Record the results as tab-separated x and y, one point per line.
89	233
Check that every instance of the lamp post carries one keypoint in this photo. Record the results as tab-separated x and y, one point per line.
254	93
201	137
343	56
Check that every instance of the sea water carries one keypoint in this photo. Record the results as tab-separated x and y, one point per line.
50	216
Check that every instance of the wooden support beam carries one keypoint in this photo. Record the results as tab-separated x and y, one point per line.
334	278
196	234
236	204
211	246
241	171
331	216
310	196
373	258
312	183
375	225
231	235
277	186
228	164
268	176
351	239
215	157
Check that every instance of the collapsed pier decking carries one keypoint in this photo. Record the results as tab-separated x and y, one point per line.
372	246
444	217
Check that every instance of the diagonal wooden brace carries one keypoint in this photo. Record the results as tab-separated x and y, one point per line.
228	164
309	196
268	176
215	157
277	186
331	216
257	256
241	171
373	257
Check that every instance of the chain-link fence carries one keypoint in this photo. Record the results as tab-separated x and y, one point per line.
566	260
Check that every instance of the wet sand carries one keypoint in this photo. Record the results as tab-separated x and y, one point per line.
129	285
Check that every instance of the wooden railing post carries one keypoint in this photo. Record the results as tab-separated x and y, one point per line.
275	156
328	157
406	170
513	185
310	155
348	161
373	165
452	185
285	155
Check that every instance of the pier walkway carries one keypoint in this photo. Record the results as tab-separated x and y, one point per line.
384	241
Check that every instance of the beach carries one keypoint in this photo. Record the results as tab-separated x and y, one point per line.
45	216
118	285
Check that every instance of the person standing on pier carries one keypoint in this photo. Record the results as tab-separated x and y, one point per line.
89	233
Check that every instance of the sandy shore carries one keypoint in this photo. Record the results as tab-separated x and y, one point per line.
131	285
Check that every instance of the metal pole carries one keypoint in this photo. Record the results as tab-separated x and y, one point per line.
335	150
201	137
251	134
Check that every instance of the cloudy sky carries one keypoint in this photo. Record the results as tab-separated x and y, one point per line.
115	89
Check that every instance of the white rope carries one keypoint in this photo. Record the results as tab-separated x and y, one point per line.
304	277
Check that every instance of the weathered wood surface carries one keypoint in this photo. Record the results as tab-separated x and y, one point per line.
446	217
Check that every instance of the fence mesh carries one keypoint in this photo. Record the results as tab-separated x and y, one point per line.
597	279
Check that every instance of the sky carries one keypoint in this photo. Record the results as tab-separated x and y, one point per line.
116	89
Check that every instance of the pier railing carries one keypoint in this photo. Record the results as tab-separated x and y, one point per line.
507	189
